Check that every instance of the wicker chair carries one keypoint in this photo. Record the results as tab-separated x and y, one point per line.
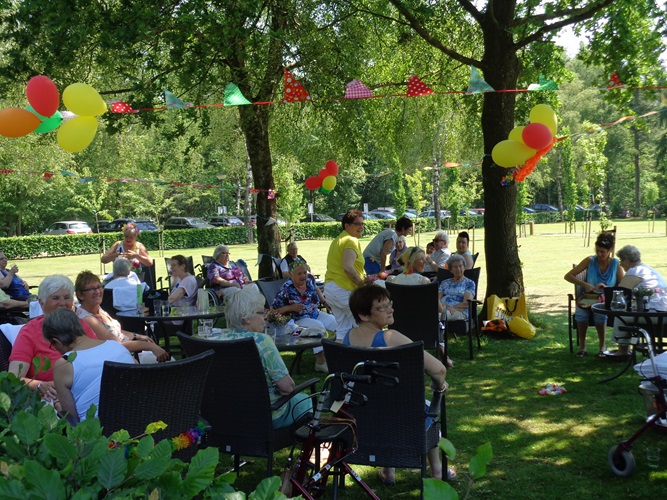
236	401
5	352
391	426
416	312
270	289
133	396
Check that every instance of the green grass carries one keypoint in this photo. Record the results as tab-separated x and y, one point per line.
544	446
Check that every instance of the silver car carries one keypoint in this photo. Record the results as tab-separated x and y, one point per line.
69	227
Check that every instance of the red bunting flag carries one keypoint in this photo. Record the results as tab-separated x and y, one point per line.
122	107
416	87
614	81
294	91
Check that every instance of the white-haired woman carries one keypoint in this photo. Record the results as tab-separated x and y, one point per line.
442	252
292	254
244	312
414	261
55	292
454	293
123	275
224	275
128	247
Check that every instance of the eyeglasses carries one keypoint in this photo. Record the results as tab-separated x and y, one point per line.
224	253
383	308
51	346
359	224
93	288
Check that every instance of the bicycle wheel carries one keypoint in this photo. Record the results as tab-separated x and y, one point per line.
622	462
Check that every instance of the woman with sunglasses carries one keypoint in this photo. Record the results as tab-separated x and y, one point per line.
414	261
345	270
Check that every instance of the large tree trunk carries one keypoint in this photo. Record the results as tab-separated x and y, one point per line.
255	126
501	71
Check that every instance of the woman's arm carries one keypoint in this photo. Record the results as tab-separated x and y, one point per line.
349	257
619	274
441	304
323	301
468	258
436	370
176	294
111	255
571	276
285	385
63	377
141	255
20	369
7	279
100	330
386	250
139	346
463	305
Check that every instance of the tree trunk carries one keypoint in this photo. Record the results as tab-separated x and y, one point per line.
501	71
255	126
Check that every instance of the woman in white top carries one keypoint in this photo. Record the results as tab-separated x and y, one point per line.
414	260
184	292
78	378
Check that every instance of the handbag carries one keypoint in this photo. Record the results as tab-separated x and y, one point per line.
513	311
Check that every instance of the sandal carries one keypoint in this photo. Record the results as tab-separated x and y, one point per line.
601	354
581	354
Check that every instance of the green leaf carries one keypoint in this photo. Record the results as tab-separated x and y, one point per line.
71	356
120	436
448	447
5	401
485	452
26	427
435	489
155	426
145	446
11	489
48	417
60	448
112	469
201	471
477	467
151	468
43	483
266	489
236	495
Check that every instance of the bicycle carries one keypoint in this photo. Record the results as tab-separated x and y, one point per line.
308	478
620	457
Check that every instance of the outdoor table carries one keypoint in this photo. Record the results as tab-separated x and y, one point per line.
288	343
652	321
186	315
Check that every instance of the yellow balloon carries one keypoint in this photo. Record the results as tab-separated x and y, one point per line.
511	153
84	100
515	134
329	182
543	114
76	134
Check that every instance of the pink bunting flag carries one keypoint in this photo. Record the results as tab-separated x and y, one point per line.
294	91
416	87
357	90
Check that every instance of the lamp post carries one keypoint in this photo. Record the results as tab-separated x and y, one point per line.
222	177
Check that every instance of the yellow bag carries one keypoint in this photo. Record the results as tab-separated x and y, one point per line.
513	311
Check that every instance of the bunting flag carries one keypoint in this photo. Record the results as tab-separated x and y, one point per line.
477	85
122	107
174	102
357	90
416	87
615	82
294	91
543	85
234	96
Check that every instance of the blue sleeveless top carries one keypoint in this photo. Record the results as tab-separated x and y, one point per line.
378	339
594	276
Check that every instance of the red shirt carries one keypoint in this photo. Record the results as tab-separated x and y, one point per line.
31	343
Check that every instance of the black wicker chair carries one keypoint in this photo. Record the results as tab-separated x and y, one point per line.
5	352
416	312
236	401
270	289
391	426
133	396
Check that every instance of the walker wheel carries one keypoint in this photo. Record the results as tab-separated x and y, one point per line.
622	462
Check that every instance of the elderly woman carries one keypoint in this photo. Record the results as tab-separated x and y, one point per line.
345	270
602	270
414	261
15	287
123	275
78	380
454	293
394	258
300	298
292	254
129	248
462	244
441	253
55	292
89	291
224	275
244	311
372	309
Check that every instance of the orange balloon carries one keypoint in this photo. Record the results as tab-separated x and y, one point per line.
17	122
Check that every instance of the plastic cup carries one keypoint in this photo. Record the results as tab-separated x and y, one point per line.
166	308
157	307
653	457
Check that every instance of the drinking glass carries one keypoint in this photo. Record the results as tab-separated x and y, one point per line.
653	457
157	307
618	301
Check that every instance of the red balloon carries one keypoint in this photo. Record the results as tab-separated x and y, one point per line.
313	183
331	167
323	173
42	95
536	135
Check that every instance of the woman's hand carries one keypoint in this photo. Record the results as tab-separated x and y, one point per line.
143	338
161	354
48	391
14	269
296	307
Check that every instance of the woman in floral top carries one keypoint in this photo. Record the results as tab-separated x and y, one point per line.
300	298
223	275
454	293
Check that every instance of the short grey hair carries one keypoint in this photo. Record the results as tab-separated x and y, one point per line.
121	267
51	284
290	245
629	252
218	250
242	305
442	235
455	257
64	325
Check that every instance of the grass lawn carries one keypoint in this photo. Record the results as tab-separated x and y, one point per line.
544	446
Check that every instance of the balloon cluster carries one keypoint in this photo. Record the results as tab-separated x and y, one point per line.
325	181
528	142
42	115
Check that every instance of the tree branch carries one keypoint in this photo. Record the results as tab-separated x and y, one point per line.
472	10
569	13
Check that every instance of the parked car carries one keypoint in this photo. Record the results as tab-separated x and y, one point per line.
598	207
187	223
69	227
318	218
380	214
528	210
225	221
101	226
467	212
541	207
480	211
117	225
430	214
